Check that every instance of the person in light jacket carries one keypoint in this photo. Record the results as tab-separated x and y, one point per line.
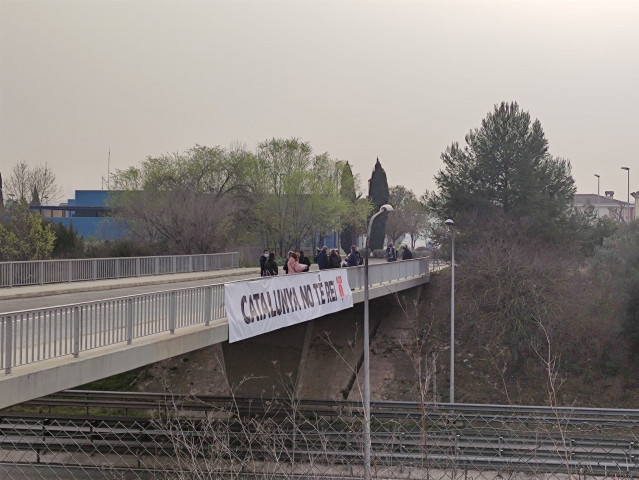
294	265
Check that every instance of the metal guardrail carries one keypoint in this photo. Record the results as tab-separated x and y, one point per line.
40	272
31	336
149	401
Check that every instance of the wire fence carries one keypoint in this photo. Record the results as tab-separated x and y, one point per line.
40	272
268	439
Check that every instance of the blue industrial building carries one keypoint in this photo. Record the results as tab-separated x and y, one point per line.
89	214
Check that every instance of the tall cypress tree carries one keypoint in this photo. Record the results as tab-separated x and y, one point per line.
35	198
1	201
347	192
378	194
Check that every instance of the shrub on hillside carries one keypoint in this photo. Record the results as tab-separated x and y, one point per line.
615	267
517	293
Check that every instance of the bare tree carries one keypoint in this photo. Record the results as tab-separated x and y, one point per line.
23	180
409	217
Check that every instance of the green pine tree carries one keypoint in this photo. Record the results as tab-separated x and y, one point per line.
378	195
505	166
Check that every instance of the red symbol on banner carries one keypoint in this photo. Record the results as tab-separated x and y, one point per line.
340	287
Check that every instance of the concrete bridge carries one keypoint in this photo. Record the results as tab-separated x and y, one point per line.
55	347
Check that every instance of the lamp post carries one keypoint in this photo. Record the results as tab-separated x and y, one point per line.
367	377
628	200
597	194
451	225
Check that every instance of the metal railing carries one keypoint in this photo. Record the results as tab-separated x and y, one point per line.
31	336
203	437
40	272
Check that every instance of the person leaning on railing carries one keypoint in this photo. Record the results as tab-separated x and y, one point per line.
270	266
293	264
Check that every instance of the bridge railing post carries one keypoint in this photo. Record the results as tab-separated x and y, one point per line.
129	321
208	305
76	332
8	345
172	311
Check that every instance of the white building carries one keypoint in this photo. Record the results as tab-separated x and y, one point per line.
607	206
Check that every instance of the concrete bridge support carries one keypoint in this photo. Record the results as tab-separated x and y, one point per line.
320	359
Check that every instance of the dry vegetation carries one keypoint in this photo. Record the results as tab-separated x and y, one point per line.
410	356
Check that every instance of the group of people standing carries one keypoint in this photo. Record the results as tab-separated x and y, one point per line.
298	262
295	263
391	253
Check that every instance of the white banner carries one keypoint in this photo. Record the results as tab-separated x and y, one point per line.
260	306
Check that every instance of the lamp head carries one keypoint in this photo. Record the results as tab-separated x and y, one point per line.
449	222
596	175
625	168
386	208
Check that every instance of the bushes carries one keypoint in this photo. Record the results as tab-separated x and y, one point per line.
120	248
68	244
25	236
615	267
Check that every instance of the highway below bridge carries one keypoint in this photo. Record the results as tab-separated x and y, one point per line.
58	336
171	436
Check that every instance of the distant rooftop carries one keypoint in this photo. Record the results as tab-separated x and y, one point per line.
583	198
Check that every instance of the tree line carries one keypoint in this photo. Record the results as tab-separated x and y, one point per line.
282	195
510	198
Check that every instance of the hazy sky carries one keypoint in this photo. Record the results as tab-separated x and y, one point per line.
398	80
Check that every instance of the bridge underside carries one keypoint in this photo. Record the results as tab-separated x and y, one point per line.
275	361
318	359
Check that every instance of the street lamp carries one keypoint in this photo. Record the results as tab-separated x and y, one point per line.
628	170
597	194
367	377
451	225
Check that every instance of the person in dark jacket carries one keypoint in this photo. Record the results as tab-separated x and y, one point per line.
322	258
334	260
406	253
391	253
263	259
305	260
270	266
353	259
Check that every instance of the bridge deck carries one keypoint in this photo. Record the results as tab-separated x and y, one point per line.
40	378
